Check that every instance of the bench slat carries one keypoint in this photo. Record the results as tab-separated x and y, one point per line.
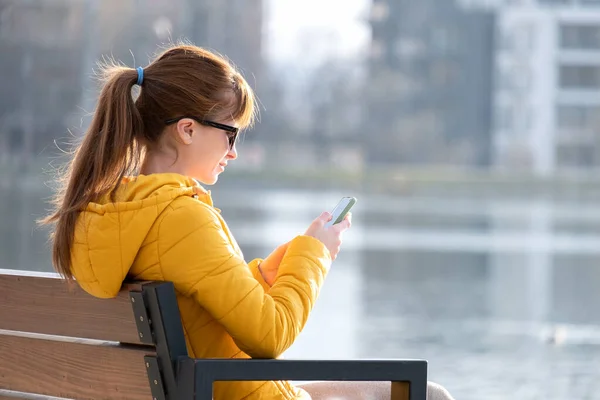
43	303
73	370
8	395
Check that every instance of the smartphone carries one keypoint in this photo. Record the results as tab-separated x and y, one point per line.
341	209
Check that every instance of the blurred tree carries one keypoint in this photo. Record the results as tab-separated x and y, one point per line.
335	97
316	112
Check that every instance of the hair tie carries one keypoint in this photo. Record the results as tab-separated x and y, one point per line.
140	78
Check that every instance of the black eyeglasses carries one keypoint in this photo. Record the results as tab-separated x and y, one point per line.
231	131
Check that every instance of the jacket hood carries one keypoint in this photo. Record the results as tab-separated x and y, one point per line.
108	235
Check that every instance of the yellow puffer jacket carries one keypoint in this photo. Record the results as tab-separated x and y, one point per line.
164	227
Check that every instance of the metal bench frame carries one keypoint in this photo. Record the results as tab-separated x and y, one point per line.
172	371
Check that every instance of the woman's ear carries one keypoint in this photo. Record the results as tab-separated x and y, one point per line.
185	130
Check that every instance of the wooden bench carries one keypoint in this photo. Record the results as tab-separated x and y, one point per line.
58	341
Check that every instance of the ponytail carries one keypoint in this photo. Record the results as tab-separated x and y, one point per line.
110	149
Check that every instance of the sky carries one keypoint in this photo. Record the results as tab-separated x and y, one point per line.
306	31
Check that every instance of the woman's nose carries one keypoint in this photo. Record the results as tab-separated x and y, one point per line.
232	154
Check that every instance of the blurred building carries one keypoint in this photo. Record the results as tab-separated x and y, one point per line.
429	95
50	48
547	99
40	43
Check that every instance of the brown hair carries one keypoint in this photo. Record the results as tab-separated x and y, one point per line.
183	80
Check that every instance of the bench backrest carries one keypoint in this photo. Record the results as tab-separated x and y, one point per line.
57	340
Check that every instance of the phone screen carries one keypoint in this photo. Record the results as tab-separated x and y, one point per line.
341	209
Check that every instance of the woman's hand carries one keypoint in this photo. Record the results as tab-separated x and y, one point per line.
331	236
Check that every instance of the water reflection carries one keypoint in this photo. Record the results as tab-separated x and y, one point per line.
501	296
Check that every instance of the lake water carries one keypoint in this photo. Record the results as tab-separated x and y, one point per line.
500	295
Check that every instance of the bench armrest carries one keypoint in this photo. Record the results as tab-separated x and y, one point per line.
196	376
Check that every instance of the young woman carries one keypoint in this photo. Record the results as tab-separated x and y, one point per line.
132	206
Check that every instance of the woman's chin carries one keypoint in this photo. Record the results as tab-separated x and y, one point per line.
208	180
212	179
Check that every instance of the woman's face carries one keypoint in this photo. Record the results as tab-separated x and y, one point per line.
204	151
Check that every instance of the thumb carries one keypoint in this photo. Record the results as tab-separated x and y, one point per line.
320	221
324	217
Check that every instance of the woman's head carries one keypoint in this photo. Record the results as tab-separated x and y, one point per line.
191	102
190	106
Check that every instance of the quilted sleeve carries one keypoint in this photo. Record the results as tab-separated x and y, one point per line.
257	275
197	256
